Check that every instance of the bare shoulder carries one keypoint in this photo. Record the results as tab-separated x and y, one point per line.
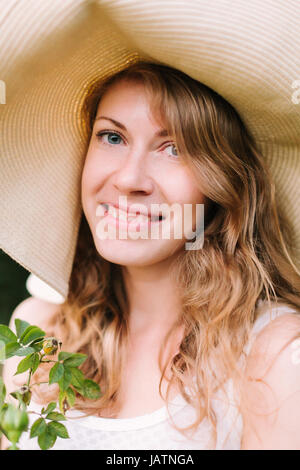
35	311
270	343
272	388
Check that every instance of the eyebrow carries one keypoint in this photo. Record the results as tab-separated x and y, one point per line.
161	133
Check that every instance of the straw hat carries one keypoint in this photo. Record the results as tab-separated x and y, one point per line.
50	53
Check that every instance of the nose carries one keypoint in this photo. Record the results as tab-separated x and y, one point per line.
132	176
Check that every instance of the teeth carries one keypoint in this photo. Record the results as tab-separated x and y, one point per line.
122	215
155	218
139	217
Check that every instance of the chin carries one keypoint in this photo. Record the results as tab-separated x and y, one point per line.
133	252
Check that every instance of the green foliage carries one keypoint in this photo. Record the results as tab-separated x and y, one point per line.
56	416
38	427
31	361
30	341
2	392
6	335
49	408
12	286
56	373
91	389
13	422
47	438
59	429
30	334
21	326
75	360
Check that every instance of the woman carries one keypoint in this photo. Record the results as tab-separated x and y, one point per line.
161	323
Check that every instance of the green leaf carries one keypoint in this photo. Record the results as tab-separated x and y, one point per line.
26	331
64	355
38	427
75	360
31	333
59	429
24	351
65	381
6	335
56	373
71	397
31	361
35	362
37	345
2	353
91	389
17	395
9	350
79	390
77	377
62	398
51	407
47	438
25	364
2	392
55	416
21	326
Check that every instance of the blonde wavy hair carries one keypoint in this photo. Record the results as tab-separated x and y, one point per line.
245	256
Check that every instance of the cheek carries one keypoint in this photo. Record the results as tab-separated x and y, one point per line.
93	174
186	189
188	194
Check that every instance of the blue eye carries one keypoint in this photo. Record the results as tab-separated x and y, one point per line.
174	147
112	139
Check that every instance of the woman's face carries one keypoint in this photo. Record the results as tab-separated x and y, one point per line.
128	157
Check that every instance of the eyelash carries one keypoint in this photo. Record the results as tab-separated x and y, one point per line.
101	133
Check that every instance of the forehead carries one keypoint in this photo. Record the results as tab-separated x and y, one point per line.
122	90
131	98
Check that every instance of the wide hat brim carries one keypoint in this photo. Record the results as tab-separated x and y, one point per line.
52	51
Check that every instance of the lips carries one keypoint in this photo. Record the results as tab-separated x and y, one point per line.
127	215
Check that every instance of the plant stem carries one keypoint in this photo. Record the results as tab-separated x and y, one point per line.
38	383
30	372
34	413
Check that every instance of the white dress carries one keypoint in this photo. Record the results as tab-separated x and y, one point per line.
154	430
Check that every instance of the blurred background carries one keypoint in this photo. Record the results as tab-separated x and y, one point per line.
16	285
12	286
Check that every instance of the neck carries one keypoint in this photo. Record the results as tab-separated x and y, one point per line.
153	299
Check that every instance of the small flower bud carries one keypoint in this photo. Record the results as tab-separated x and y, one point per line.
63	402
50	346
13	422
25	393
65	405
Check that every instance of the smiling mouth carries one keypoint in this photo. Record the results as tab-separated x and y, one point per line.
122	215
